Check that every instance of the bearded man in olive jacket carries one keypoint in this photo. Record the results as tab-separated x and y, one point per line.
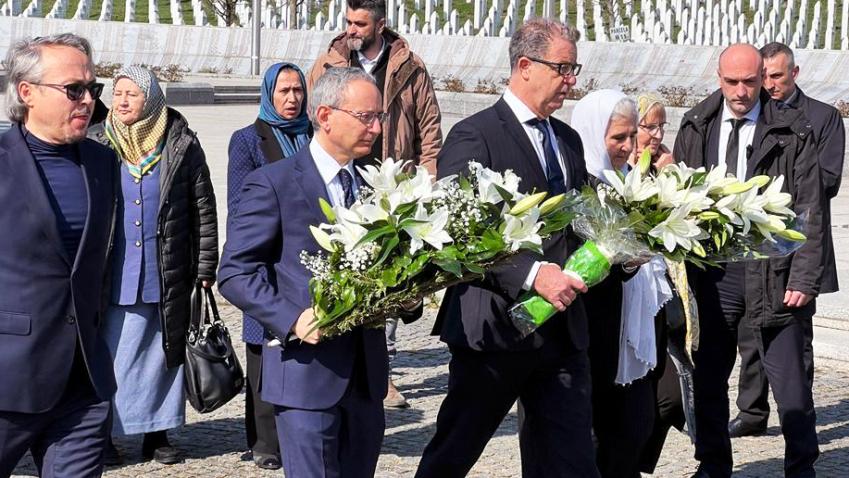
741	126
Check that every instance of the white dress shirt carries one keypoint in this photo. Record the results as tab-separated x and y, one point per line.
524	114
747	135
368	65
329	169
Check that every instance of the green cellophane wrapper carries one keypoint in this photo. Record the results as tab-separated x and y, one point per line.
610	239
590	262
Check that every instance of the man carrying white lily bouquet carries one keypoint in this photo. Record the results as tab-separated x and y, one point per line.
328	395
740	125
492	363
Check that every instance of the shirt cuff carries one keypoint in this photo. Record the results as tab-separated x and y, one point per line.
532	275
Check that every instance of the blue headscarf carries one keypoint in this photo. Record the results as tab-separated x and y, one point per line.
284	129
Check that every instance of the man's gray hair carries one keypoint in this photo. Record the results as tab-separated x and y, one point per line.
534	38
23	63
770	50
330	88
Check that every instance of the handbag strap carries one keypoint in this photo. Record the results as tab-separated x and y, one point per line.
211	306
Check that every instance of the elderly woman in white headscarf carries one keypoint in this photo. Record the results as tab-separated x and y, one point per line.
166	242
621	309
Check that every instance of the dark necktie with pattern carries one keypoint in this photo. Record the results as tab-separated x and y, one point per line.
347	186
556	181
733	148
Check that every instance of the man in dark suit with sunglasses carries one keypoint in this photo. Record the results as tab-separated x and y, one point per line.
58	197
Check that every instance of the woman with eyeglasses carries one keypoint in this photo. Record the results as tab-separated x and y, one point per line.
623	348
280	130
650	131
166	242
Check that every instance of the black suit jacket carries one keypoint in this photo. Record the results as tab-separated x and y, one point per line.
474	315
830	138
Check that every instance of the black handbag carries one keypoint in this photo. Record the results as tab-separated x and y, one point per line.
213	375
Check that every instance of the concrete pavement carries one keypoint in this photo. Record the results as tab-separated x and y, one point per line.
214	443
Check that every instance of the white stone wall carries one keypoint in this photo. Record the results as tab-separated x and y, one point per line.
645	66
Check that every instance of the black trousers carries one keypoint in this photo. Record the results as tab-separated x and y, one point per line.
669	412
623	419
753	387
259	415
721	308
553	389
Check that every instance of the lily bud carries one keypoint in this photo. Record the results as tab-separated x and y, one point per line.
645	161
736	188
791	235
759	181
709	215
526	203
551	204
327	209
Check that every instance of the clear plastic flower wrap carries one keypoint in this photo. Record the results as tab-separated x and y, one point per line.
686	214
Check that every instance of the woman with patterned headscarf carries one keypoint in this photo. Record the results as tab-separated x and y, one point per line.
280	130
166	241
650	131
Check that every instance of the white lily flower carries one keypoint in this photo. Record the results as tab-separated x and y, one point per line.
635	188
430	228
384	178
418	188
347	233
370	213
678	230
524	230
488	180
682	171
776	201
717	178
749	206
726	207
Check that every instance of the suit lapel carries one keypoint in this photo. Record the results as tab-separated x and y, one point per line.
529	160
268	144
310	181
32	186
92	185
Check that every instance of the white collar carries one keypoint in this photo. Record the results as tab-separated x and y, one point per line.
519	108
364	59
328	167
752	115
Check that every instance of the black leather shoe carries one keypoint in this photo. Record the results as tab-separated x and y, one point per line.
738	428
167	455
267	462
155	446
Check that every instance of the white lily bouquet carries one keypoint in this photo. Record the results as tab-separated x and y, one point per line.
685	214
407	236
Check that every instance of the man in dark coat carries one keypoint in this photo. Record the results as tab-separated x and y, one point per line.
741	126
829	137
492	363
58	194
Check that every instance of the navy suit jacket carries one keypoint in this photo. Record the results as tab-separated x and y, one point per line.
49	302
474	315
261	273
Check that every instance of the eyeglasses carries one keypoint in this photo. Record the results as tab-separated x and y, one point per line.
76	91
366	117
562	69
653	129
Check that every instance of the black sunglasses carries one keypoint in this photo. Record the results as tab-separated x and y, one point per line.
75	91
562	69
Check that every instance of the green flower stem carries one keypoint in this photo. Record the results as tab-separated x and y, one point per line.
590	262
392	303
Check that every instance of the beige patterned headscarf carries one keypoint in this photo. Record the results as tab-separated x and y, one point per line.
140	144
645	102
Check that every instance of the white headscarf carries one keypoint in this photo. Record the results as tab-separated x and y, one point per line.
590	119
648	290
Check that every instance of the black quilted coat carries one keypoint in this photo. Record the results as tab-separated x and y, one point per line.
187	230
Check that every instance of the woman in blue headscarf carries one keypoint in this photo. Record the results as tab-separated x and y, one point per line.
280	130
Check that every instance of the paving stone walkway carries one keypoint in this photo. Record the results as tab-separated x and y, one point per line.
214	443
